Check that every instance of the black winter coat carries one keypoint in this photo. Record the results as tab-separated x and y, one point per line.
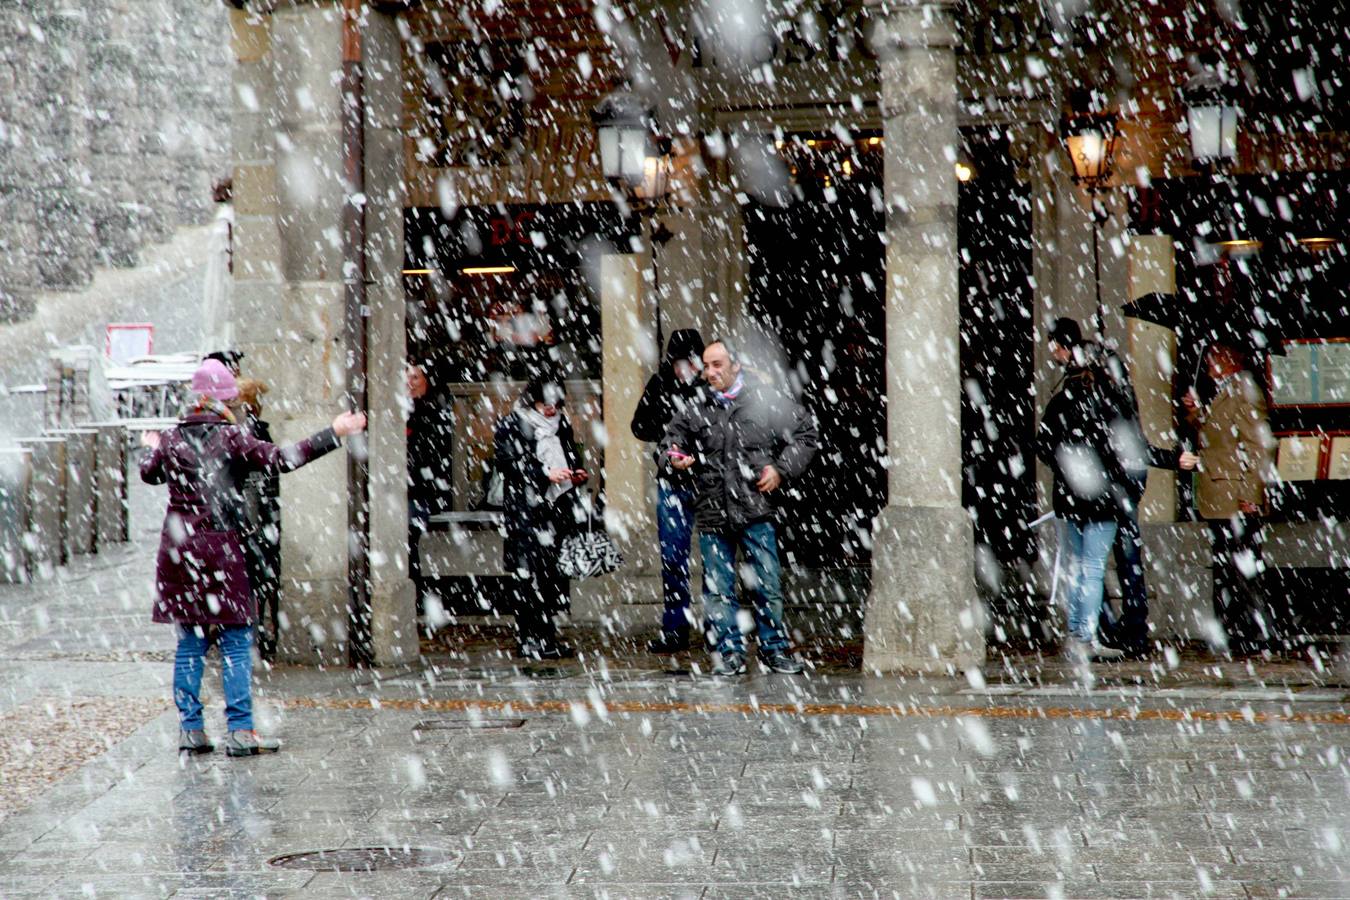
732	444
1084	437
533	525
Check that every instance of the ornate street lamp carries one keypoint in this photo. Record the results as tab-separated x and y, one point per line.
1211	120
636	161
1090	140
633	157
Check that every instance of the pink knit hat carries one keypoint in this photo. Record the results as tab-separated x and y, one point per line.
214	380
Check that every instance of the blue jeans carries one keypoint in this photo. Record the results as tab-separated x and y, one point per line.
236	675
675	526
1130	631
1085	546
759	543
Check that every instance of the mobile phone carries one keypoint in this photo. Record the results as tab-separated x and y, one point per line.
677	454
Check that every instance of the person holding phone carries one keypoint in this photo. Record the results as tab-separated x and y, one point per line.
536	454
673	388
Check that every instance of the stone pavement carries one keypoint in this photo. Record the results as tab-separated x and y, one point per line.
618	776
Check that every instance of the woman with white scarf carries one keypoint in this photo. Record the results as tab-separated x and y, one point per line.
537	457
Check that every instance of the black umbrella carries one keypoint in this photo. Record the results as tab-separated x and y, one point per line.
1241	325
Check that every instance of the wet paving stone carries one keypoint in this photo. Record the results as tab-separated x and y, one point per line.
625	782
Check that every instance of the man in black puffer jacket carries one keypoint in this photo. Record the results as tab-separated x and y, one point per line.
741	445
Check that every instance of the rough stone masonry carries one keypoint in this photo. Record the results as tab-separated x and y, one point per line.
113	125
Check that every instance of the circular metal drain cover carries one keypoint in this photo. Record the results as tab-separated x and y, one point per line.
363	859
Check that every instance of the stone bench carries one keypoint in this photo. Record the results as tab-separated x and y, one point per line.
460	544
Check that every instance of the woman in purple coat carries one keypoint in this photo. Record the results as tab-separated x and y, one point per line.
201	578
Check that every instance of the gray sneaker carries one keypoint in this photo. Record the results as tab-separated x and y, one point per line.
782	662
247	743
194	742
729	665
1102	653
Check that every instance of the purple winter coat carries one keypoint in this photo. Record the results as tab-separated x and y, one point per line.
200	574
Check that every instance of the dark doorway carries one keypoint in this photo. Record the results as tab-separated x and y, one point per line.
998	415
817	279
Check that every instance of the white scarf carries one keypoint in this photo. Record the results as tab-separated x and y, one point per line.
548	448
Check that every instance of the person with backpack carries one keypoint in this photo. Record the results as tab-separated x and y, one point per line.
202	585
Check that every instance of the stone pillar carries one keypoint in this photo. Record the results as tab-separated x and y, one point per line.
289	309
155	77
628	339
16	477
393	599
81	494
115	127
19	162
112	511
66	229
1152	359
923	613
45	541
1176	554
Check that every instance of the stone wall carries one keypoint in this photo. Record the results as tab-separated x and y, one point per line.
113	124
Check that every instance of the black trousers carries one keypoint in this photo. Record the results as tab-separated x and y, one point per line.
1239	600
544	592
262	558
537	599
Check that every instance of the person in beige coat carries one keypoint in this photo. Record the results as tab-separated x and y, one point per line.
1237	461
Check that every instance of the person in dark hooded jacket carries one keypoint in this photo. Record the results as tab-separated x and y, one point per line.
673	388
742	445
1096	480
201	576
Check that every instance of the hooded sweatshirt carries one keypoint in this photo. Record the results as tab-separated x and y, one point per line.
666	395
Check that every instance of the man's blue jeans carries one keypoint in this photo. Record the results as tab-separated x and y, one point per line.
759	543
1130	631
675	527
1085	546
236	675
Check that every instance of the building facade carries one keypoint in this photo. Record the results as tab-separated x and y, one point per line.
814	211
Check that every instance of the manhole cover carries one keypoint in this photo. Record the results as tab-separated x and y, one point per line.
363	859
464	724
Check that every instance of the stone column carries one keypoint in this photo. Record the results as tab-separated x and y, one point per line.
923	613
66	229
19	237
1152	358
115	126
153	39
289	309
628	339
195	141
393	600
1176	554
